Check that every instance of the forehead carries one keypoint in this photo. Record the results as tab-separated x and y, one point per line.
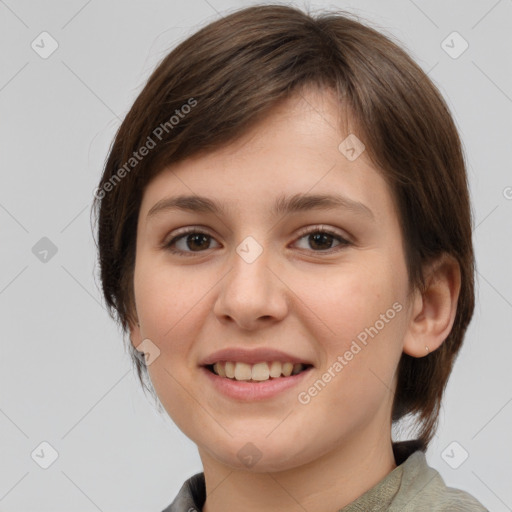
299	147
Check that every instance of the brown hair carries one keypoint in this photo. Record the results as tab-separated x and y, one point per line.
217	83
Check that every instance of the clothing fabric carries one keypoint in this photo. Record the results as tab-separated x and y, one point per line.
411	486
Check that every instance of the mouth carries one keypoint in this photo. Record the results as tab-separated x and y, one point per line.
260	372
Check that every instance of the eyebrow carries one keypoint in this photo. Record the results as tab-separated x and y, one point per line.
282	205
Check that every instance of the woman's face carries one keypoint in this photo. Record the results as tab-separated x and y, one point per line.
318	282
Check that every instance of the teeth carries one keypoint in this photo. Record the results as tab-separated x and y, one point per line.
256	372
287	369
229	369
260	371
275	369
297	368
219	369
243	371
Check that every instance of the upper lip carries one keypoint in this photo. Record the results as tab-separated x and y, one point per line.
252	356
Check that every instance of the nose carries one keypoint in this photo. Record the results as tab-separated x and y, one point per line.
251	294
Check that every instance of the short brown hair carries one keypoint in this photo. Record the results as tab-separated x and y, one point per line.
230	74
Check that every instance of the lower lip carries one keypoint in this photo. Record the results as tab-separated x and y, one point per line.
252	391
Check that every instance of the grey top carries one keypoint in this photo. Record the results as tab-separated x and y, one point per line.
411	486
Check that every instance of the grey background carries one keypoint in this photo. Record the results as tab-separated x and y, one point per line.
65	377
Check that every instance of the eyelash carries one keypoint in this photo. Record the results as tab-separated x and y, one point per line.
314	230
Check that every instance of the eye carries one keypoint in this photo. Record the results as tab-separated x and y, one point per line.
189	242
320	239
192	240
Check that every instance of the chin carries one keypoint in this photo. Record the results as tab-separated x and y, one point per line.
259	454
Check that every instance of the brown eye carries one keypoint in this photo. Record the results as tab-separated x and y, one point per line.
317	240
189	242
321	240
197	241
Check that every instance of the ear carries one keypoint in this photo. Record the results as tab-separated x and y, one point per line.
434	309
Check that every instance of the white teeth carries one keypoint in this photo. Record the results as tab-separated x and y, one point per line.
275	369
256	372
229	369
287	369
243	371
260	371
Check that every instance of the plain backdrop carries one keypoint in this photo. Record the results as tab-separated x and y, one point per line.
65	378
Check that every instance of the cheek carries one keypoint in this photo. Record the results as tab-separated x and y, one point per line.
358	317
165	300
349	300
168	303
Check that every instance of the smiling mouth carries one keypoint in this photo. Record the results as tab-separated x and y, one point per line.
259	372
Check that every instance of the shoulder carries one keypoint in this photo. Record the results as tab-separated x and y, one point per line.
423	489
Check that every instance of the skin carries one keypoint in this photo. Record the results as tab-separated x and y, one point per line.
306	299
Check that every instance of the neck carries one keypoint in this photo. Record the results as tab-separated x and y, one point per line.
327	483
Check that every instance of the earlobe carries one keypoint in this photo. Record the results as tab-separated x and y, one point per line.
434	308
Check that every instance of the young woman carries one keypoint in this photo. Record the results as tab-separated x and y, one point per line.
284	231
